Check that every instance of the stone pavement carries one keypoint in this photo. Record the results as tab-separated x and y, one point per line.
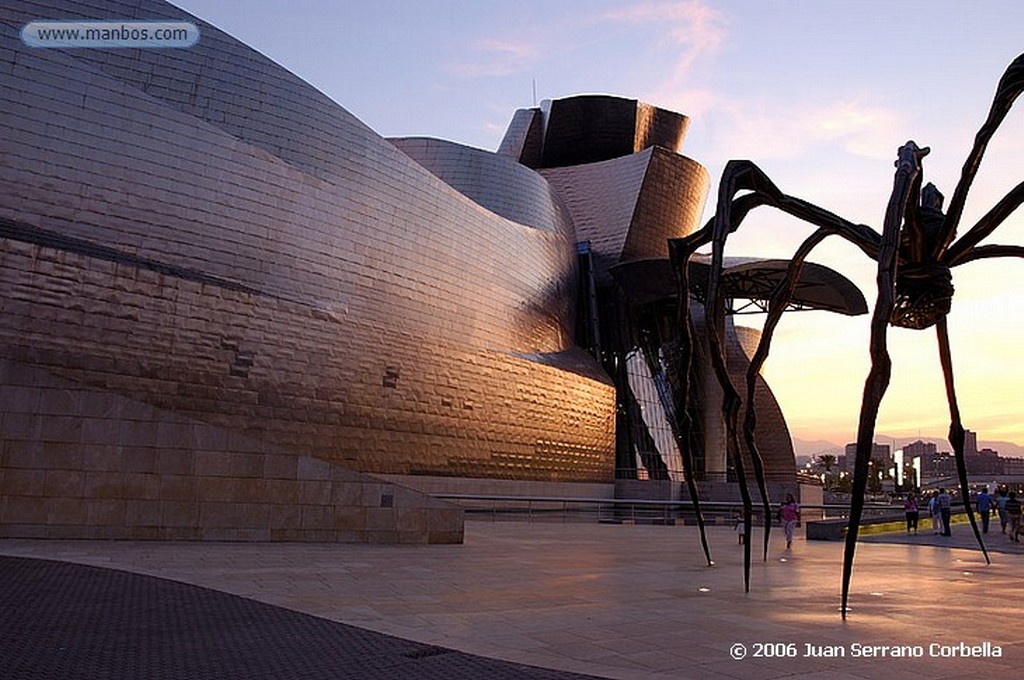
605	600
63	620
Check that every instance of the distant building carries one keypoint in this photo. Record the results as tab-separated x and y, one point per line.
971	443
934	463
941	464
1013	466
881	456
919	448
984	462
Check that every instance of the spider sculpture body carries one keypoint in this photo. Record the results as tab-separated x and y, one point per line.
915	252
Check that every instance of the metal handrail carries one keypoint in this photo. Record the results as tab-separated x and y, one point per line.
625	509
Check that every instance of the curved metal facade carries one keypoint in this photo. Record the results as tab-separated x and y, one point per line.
283	270
206	263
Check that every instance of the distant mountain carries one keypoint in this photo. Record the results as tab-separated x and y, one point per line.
804	447
1004	449
811	448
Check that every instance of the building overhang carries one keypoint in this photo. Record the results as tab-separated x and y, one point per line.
744	278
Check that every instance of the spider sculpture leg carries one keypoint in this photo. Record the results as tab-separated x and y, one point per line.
679	252
956	431
722	226
731	403
951	254
780	298
905	195
966	249
745	176
1009	88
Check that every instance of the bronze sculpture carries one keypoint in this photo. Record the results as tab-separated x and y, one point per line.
915	252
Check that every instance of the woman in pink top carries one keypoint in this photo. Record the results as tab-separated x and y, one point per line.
910	507
789	515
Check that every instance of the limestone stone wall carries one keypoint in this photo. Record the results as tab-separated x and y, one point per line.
80	462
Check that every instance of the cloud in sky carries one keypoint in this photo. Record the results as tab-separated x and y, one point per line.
775	129
675	37
693	28
685	37
695	40
862	128
498	56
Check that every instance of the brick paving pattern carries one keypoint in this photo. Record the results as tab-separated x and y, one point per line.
60	620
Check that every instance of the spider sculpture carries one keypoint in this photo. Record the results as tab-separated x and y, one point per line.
915	252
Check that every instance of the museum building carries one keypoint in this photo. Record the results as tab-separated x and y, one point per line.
229	310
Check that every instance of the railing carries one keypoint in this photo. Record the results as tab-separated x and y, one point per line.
678	475
497	508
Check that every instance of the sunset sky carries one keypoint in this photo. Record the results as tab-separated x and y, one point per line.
819	94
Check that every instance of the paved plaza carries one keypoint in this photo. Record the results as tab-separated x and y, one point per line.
517	600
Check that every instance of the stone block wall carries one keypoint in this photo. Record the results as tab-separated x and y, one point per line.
80	462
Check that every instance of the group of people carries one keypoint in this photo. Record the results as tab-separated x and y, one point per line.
1006	505
940	509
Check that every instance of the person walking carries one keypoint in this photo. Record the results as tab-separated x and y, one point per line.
789	515
984	505
741	529
945	510
910	507
1013	512
1004	519
933	510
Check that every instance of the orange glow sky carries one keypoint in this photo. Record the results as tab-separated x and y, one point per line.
820	94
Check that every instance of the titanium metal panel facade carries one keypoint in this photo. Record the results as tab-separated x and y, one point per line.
226	303
374	303
201	235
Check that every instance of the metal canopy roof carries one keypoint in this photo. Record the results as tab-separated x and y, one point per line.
745	278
